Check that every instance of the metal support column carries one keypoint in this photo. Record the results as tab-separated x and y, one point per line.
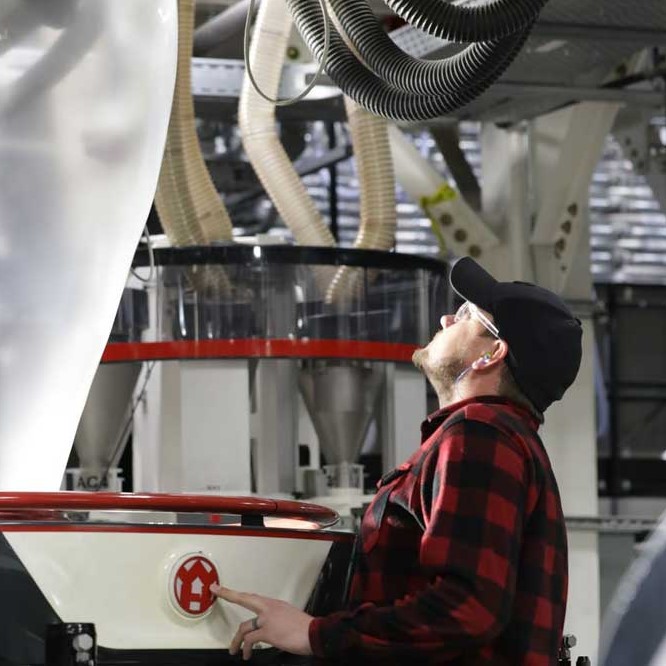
613	477
538	197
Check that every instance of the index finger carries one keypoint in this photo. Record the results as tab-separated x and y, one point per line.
252	602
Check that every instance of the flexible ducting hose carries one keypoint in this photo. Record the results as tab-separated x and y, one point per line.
274	169
477	62
189	206
372	92
493	20
370	140
377	223
256	118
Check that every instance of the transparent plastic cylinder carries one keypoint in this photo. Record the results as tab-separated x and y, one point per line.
85	96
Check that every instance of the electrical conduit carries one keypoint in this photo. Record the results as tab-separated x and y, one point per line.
359	27
492	20
382	98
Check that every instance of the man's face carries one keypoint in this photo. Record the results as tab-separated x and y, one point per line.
452	349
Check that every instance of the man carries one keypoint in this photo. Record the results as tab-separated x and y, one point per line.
464	553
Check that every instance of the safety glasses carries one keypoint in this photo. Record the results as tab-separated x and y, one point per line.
469	311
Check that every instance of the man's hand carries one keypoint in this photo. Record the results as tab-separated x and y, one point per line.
278	623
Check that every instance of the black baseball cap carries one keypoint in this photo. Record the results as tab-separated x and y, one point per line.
544	338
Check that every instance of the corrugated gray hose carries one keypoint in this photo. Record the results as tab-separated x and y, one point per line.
389	82
475	64
494	20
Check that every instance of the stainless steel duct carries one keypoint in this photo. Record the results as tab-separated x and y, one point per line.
340	398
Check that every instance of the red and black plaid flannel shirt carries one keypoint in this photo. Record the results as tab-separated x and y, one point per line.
464	552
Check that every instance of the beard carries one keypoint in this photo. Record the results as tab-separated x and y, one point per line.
442	373
419	356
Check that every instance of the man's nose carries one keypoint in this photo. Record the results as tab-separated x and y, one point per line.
446	321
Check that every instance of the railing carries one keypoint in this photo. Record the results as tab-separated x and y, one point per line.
252	510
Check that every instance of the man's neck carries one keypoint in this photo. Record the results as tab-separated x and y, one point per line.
453	394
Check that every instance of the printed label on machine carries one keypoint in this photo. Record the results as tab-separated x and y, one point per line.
189	585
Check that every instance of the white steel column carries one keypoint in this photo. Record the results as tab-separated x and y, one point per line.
631	133
506	202
275	426
535	190
404	408
567	148
156	432
192	430
215	426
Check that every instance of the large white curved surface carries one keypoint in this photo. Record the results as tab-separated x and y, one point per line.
85	97
120	581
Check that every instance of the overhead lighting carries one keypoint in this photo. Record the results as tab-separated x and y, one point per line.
549	46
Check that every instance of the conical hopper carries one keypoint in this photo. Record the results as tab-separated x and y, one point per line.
103	428
85	98
340	398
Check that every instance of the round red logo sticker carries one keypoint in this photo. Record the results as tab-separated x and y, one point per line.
191	579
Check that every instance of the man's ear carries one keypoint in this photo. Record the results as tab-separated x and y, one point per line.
492	357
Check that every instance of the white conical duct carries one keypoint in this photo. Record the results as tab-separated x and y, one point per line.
187	202
81	156
256	118
340	398
103	429
374	165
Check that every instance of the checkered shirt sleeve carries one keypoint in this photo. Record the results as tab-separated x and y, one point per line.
472	488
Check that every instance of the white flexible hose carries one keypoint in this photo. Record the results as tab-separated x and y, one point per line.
377	223
187	202
256	118
320	68
369	134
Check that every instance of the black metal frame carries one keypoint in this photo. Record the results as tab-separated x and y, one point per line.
620	476
236	253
